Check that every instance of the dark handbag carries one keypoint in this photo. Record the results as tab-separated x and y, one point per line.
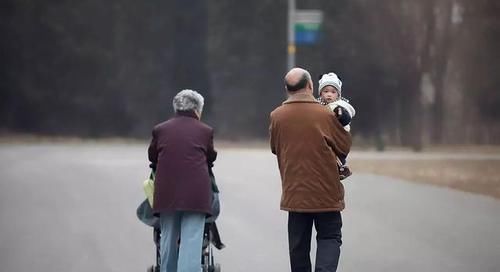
145	214
215	201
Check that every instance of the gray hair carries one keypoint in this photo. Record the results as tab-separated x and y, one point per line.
188	100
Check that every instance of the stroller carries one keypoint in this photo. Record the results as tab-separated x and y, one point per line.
211	237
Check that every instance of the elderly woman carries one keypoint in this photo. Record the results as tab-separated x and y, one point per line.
181	151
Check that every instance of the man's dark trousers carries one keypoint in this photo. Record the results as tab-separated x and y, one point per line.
329	238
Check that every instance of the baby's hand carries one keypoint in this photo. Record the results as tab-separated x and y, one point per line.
346	108
342	115
338	111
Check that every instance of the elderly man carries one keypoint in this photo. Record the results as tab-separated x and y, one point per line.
181	151
307	138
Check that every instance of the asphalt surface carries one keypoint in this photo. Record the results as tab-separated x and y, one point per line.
71	207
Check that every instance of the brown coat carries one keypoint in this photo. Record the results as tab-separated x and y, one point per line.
182	148
306	137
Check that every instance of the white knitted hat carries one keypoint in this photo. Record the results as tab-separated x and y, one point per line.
330	79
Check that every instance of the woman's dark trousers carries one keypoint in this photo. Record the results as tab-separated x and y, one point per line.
329	238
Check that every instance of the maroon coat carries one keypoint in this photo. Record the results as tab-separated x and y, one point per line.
181	148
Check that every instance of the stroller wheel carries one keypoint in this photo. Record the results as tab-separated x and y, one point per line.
153	269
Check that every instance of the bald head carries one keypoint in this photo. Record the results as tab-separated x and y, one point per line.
298	79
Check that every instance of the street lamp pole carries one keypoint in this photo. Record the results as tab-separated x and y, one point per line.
291	34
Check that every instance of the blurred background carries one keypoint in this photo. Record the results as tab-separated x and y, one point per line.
82	83
419	72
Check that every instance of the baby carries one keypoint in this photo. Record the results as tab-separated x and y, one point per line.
330	95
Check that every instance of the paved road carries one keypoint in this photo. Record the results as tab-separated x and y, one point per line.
70	207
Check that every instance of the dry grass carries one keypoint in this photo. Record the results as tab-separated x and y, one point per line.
477	176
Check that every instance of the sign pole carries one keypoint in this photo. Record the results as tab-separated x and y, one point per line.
291	34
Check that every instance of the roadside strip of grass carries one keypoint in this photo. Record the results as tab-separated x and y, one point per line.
476	176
